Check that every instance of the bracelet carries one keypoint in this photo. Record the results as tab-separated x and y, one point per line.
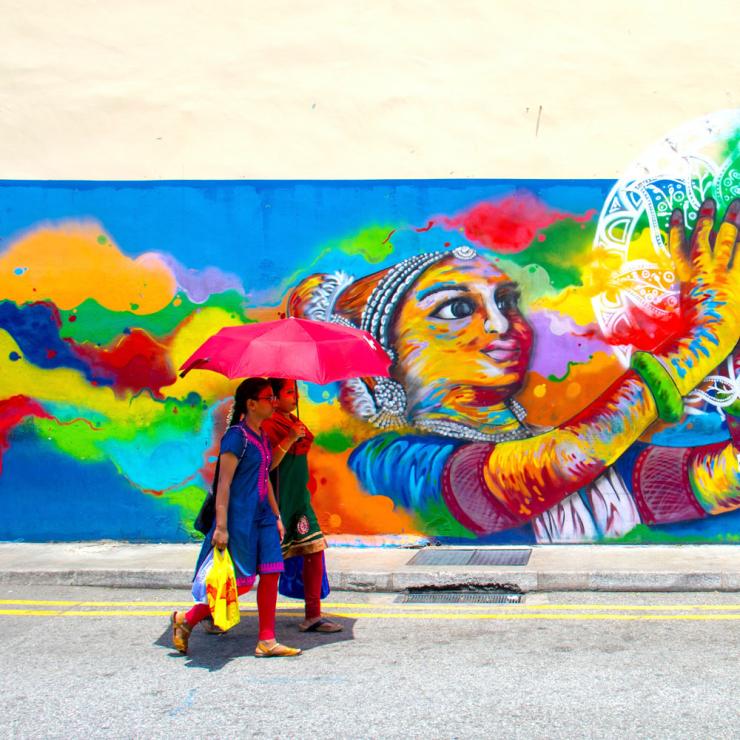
284	449
661	385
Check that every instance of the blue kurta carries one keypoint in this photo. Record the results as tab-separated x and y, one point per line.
254	542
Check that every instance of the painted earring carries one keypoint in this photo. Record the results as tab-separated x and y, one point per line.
390	403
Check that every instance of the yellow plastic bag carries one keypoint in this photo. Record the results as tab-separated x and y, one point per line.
223	600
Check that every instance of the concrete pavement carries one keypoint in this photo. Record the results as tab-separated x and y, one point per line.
550	567
98	663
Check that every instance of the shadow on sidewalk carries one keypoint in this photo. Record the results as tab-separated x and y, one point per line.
213	652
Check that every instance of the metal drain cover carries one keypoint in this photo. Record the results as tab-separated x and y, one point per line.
459	597
441	557
459	556
500	557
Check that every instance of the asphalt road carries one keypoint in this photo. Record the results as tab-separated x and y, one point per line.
90	662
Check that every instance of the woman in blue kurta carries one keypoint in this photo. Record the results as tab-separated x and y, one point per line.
247	517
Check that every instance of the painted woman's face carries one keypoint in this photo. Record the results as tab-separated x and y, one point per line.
460	336
287	399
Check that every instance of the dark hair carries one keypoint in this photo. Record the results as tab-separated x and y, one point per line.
247	390
278	384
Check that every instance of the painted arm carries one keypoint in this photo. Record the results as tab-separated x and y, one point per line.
702	480
515	481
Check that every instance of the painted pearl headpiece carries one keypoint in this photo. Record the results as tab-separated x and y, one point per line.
387	294
385	404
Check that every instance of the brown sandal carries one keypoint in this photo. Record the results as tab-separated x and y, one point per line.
321	625
210	627
180	634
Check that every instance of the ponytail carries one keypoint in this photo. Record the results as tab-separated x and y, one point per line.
247	390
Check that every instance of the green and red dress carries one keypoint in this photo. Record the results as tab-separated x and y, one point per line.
303	534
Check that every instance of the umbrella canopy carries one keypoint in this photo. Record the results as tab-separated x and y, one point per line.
315	351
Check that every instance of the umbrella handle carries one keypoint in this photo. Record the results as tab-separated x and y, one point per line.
193	365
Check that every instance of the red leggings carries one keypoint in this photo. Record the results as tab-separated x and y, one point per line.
313	572
267	590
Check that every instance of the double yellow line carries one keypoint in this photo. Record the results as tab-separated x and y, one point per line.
354	610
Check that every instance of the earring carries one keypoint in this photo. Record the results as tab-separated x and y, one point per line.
390	404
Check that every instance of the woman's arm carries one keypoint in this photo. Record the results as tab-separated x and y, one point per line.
227	467
488	489
281	444
703	480
275	510
673	484
515	481
278	454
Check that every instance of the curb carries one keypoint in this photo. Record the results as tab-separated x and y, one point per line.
390	582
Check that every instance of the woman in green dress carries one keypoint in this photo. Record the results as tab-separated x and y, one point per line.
291	440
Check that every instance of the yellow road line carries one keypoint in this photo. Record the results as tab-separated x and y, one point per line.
628	607
410	607
534	615
392	615
41	602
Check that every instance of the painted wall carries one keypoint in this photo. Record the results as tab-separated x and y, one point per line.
107	285
534	297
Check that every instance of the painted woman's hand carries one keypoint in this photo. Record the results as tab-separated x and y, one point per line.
281	529
220	538
708	270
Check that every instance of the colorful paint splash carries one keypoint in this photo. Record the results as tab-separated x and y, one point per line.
106	288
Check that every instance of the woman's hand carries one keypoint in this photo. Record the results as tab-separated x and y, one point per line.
281	529
297	431
220	538
708	270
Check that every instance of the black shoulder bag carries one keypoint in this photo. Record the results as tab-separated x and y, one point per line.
207	513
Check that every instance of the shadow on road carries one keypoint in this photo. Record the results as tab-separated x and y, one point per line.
213	652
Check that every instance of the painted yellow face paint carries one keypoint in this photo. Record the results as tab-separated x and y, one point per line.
460	337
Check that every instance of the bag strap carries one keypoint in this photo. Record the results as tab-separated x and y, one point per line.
214	487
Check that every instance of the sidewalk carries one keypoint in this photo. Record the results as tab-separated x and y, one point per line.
550	567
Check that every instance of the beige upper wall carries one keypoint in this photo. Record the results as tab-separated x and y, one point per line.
120	89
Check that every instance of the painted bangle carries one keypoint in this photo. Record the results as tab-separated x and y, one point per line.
666	395
733	409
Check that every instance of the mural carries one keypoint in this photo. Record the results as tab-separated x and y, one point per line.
522	317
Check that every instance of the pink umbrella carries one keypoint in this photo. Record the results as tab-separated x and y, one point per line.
315	351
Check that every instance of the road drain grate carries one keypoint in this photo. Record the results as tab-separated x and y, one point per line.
459	597
458	556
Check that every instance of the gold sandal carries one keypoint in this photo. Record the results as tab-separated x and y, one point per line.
180	634
276	651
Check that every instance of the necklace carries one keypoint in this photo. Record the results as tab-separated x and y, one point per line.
457	430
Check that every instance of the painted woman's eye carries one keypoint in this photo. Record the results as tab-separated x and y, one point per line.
457	308
507	300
